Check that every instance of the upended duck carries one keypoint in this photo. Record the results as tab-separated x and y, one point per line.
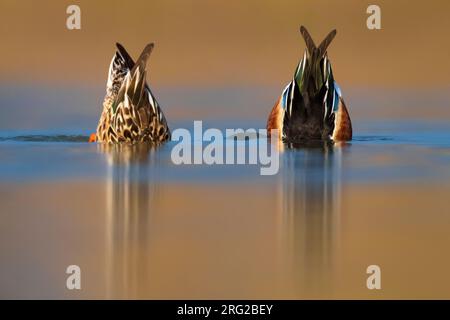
311	106
130	111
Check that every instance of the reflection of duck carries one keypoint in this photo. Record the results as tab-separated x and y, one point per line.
132	200
130	111
310	213
127	154
311	106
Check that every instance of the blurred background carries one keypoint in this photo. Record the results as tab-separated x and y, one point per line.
140	226
225	60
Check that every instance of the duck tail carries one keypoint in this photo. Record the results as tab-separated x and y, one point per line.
310	45
129	62
141	62
326	42
312	75
135	81
118	68
313	50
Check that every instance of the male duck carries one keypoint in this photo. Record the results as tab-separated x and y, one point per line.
130	111
311	107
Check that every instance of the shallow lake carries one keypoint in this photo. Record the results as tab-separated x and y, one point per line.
141	227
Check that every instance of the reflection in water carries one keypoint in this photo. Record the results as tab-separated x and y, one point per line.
310	212
130	204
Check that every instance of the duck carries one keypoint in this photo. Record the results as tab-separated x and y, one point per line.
131	113
311	106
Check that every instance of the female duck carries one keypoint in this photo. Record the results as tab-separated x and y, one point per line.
130	111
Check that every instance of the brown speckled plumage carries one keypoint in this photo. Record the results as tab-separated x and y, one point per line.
130	111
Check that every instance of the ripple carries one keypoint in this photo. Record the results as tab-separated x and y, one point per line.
47	138
372	138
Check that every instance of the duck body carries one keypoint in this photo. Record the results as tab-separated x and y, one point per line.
130	113
311	106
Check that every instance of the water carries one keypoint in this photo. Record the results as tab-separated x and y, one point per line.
141	227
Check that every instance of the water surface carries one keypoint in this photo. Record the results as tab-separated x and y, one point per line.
141	227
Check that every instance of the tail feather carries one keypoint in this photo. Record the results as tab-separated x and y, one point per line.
142	60
308	40
136	89
312	75
118	68
126	57
326	42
